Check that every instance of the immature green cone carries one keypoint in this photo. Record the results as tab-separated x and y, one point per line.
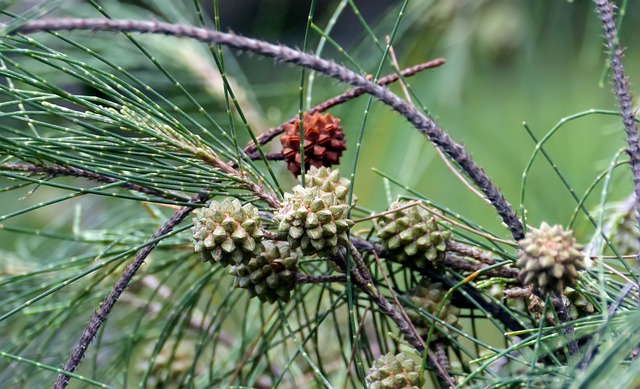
329	181
622	226
412	234
549	258
576	303
227	232
393	372
428	297
313	220
270	275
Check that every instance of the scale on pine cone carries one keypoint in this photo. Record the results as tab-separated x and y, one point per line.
323	142
313	220
393	371
270	275
549	258
227	232
412	234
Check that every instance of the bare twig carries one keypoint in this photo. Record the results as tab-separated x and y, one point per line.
471	252
319	279
441	354
568	331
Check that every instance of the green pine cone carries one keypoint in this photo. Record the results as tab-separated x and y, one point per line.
227	232
412	234
270	275
549	258
329	181
392	372
428	297
576	303
313	220
622	226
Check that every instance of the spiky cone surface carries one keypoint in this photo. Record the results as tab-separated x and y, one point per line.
270	275
323	142
428	297
227	232
412	234
313	220
576	303
329	181
549	258
392	372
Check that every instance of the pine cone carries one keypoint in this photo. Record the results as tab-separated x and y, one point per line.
412	234
323	142
576	303
393	372
330	181
313	220
428	297
622	226
549	258
227	232
269	276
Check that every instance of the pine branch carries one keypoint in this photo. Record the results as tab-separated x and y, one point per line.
423	123
362	279
621	89
343	98
99	317
68	171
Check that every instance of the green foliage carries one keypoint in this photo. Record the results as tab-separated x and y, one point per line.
104	136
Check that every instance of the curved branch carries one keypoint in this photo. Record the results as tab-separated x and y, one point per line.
99	317
621	89
423	123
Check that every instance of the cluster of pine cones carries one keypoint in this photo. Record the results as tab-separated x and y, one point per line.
313	220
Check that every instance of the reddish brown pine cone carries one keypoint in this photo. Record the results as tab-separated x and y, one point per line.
323	142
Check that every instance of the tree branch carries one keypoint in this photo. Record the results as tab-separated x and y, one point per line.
423	123
57	170
99	317
621	89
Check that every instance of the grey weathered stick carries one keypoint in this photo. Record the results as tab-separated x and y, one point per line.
423	123
621	89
